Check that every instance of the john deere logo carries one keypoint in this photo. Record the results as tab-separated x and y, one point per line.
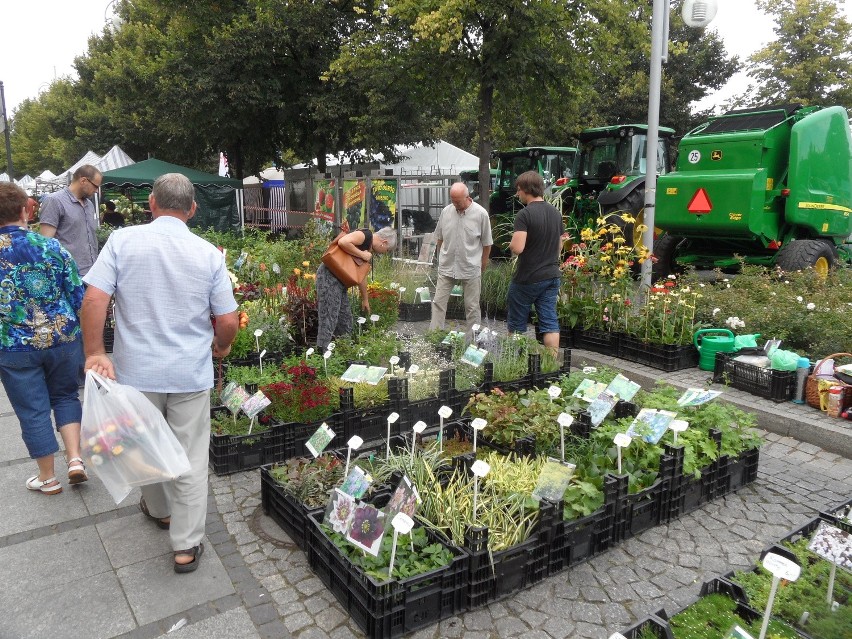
716	155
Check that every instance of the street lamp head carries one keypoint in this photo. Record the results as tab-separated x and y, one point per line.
699	13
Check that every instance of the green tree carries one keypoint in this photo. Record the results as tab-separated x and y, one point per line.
809	62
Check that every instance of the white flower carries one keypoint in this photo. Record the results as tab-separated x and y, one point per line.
727	286
394	285
735	322
799	298
701	284
773	293
672	277
716	310
726	280
811	306
786	281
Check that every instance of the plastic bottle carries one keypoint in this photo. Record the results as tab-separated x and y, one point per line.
803	367
835	396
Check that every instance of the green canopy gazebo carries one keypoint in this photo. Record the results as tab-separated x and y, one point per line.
219	199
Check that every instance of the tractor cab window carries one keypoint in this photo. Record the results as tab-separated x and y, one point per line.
637	163
512	168
601	161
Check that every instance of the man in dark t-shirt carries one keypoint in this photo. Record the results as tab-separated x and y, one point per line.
537	241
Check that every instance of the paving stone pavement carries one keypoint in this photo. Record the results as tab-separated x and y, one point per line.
77	565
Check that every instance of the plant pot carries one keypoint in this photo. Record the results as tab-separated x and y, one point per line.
664	357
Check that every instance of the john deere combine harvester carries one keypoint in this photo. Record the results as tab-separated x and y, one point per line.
771	185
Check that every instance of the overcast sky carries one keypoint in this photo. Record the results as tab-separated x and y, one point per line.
41	38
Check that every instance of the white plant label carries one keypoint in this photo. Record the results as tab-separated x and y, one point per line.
622	440
474	328
617	635
781	567
588	370
394	360
402	289
419	427
554	392
374	318
445	411
326	355
679	425
413	369
478	423
262	354
480	468
355	442
331	346
565	420
402	523
392	418
309	352
362	320
258	332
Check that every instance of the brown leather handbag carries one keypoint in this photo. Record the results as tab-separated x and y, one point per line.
347	268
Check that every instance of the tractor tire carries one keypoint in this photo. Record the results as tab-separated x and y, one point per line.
799	255
666	251
633	204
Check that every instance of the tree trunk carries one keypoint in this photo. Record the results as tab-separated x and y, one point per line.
486	117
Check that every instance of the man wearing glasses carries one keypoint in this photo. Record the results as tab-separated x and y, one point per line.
69	216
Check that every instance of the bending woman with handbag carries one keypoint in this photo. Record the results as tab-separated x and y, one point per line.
41	347
335	315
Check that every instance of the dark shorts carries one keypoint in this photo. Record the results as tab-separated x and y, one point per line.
541	294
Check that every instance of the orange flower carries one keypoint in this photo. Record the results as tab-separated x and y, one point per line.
262	266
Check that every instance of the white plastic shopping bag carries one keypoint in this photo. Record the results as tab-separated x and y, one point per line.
125	440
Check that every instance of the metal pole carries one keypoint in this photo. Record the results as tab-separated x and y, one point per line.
9	168
659	38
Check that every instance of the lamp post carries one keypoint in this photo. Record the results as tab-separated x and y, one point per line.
115	20
696	13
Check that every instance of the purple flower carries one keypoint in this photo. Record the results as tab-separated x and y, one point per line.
367	526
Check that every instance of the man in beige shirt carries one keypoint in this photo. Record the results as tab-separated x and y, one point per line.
463	238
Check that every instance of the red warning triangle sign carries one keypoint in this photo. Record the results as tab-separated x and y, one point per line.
700	202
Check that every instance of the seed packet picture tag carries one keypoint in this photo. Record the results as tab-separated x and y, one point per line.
339	512
589	390
553	480
651	424
254	404
623	387
367	528
404	499
233	396
356	483
319	440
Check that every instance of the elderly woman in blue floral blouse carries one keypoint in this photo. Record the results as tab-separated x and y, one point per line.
41	350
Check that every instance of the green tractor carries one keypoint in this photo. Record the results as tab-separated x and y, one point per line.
769	185
610	176
471	181
555	164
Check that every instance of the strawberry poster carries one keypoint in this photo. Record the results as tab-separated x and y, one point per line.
354	203
382	203
324	200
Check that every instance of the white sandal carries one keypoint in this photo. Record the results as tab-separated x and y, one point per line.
76	471
34	483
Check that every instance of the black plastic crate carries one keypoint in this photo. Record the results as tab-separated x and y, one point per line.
602	342
778	386
284	509
455	309
573	542
415	312
686	492
654	624
371	424
736	472
496	575
291	437
637	512
836	515
392	608
664	357
233	453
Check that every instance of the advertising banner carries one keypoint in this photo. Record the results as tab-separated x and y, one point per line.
354	203
382	203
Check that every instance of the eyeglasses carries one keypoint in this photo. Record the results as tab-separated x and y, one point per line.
97	186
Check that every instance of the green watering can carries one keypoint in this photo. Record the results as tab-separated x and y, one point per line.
721	342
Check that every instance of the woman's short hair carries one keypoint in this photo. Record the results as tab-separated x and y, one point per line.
12	199
388	235
173	192
530	183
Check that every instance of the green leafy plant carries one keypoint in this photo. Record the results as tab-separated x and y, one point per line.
244	375
225	424
712	616
310	481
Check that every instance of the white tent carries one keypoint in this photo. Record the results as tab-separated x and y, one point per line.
441	159
26	182
115	158
4	177
45	175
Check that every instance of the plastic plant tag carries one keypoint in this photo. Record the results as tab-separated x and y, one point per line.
254	404
260	360
479	423
622	440
404	499
697	396
391	420
233	396
319	440
780	568
362	320
617	635
367	529
588	390
564	420
393	417
419	427
402	524
355	373
394	360
835	545
623	387
444	412
356	483
238	264
601	407
354	443
374	318
737	632
651	424
339	511
588	370
480	468
425	295
474	328
276	269
453	336
553	480
331	346
474	356
257	333
553	392
678	426
413	369
326	355
309	352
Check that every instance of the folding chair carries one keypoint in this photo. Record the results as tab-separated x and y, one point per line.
424	262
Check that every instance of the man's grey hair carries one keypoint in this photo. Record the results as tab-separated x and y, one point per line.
174	192
389	235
